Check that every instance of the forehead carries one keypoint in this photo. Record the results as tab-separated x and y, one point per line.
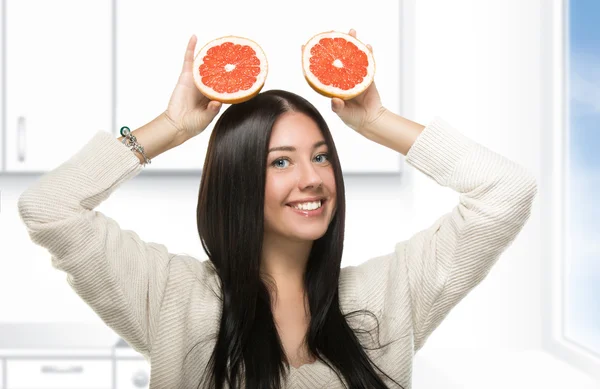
295	129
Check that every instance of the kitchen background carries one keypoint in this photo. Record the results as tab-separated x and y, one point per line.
518	76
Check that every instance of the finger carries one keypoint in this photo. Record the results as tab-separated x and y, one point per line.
215	106
302	48
370	48
353	32
188	59
337	104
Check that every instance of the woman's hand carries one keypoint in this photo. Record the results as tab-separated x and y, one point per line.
361	112
189	110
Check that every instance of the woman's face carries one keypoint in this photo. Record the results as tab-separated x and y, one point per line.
296	175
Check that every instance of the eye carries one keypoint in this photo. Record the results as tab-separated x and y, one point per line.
275	162
326	155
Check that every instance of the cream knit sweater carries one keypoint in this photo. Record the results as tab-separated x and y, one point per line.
162	303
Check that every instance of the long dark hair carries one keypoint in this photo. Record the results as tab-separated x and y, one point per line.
230	217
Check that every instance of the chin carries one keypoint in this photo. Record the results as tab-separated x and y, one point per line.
308	235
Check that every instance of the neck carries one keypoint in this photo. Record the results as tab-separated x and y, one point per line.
284	261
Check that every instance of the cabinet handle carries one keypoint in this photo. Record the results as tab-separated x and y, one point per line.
21	146
56	369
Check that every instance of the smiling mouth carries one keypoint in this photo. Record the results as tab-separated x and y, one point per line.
323	202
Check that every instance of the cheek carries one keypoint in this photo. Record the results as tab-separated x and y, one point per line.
330	182
275	193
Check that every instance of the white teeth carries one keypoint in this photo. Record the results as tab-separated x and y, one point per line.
308	206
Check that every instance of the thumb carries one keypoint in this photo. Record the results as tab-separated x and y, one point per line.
211	111
214	106
337	105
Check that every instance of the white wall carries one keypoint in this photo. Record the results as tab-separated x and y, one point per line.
477	64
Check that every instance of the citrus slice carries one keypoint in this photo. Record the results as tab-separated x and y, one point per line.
230	69
336	64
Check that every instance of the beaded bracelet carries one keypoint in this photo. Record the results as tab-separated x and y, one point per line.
130	141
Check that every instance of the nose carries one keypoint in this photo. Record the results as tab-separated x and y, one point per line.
309	177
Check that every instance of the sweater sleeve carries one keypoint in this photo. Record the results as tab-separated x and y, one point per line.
121	277
442	263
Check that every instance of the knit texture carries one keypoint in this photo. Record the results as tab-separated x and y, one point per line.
164	304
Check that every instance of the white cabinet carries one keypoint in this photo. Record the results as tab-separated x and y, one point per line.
132	374
60	87
58	79
59	374
152	37
2	89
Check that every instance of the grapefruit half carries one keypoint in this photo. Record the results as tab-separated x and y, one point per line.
336	64
230	69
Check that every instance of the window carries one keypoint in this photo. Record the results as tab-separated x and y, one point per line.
571	165
582	297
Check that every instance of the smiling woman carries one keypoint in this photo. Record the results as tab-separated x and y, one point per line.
284	203
272	304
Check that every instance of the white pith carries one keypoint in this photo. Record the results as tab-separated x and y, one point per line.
332	89
260	80
310	206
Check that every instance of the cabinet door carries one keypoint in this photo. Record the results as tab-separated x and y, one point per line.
59	374
2	89
58	79
152	38
132	373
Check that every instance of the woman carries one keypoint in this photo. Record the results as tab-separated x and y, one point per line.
271	306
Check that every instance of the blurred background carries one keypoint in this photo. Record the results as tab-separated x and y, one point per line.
521	77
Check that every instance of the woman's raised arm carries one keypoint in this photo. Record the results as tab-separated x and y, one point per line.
428	274
121	277
115	272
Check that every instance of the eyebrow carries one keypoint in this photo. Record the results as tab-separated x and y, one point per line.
291	148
